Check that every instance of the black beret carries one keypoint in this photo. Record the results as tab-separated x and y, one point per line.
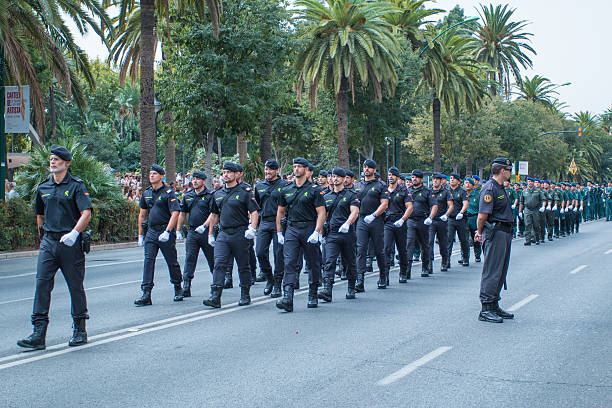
455	175
350	173
199	174
272	164
158	169
339	171
239	167
402	176
503	161
437	176
323	173
302	161
394	170
233	167
369	163
310	166
61	152
417	173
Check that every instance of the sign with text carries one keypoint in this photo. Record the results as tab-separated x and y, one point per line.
523	168
17	109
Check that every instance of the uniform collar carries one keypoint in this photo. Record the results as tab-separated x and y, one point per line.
204	191
159	189
65	180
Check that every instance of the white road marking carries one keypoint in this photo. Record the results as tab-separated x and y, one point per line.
407	369
578	269
609	251
522	303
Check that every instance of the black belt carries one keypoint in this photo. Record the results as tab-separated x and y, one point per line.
55	235
158	227
269	218
300	223
503	226
232	230
472	215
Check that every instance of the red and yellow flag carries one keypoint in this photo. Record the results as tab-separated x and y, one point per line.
573	168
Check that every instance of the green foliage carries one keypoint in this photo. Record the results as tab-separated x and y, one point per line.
17	224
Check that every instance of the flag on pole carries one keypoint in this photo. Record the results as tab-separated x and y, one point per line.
573	168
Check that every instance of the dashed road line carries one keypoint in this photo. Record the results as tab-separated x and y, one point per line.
407	369
522	303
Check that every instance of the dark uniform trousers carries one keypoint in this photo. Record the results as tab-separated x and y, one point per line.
542	218
52	256
395	237
252	261
231	244
337	244
495	267
477	245
417	231
460	227
295	245
550	222
439	228
151	247
266	235
532	226
193	244
375	231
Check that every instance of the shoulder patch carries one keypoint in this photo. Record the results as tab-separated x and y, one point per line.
169	190
248	189
487	198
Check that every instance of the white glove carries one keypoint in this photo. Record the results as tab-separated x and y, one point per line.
314	237
344	228
141	240
398	223
554	207
548	207
211	240
575	209
201	229
179	236
459	216
164	236
70	238
369	218
444	217
280	238
250	233
581	208
521	214
541	209
427	221
513	206
569	207
562	211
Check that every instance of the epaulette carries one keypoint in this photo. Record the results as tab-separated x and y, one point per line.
78	180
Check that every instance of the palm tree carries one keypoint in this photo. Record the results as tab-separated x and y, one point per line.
29	28
538	89
453	76
136	47
502	44
411	18
346	39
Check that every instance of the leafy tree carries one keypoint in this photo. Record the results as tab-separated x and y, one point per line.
539	89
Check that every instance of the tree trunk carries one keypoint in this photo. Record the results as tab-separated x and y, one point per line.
436	132
241	147
170	159
52	113
468	165
342	113
265	142
219	155
208	142
148	146
399	154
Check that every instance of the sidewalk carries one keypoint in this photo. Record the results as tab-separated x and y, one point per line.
101	247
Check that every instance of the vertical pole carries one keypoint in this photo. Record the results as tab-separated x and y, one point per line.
2	135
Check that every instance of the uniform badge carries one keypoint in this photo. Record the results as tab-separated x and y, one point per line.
487	198
248	189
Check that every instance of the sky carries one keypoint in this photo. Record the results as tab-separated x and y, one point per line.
573	41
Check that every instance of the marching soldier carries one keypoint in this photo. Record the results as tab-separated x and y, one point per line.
495	232
608	200
342	207
541	215
457	222
439	226
400	207
63	210
159	213
197	203
267	194
512	191
472	214
237	213
303	204
531	203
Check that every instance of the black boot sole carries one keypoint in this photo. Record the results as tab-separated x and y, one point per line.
286	308
244	303
484	319
211	304
80	343
143	304
324	297
350	297
275	295
178	298
186	294
31	347
312	305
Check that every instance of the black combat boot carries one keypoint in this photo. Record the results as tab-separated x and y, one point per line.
36	340
502	313
326	293
245	295
269	283
145	299
359	285
466	263
408	270
286	303
343	274
215	297
79	335
350	290
178	292
186	287
487	314
228	284
369	261
313	300
276	289
382	279
261	277
402	274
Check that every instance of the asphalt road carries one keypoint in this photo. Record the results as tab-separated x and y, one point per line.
412	345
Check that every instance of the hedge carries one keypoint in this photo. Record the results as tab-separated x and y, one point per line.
111	222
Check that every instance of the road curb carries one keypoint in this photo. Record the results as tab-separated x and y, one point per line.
101	247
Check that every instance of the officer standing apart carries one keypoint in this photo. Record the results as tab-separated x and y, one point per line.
472	213
439	227
267	194
374	200
400	208
457	221
342	206
495	232
424	208
235	210
63	210
159	212
197	203
532	201
303	203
